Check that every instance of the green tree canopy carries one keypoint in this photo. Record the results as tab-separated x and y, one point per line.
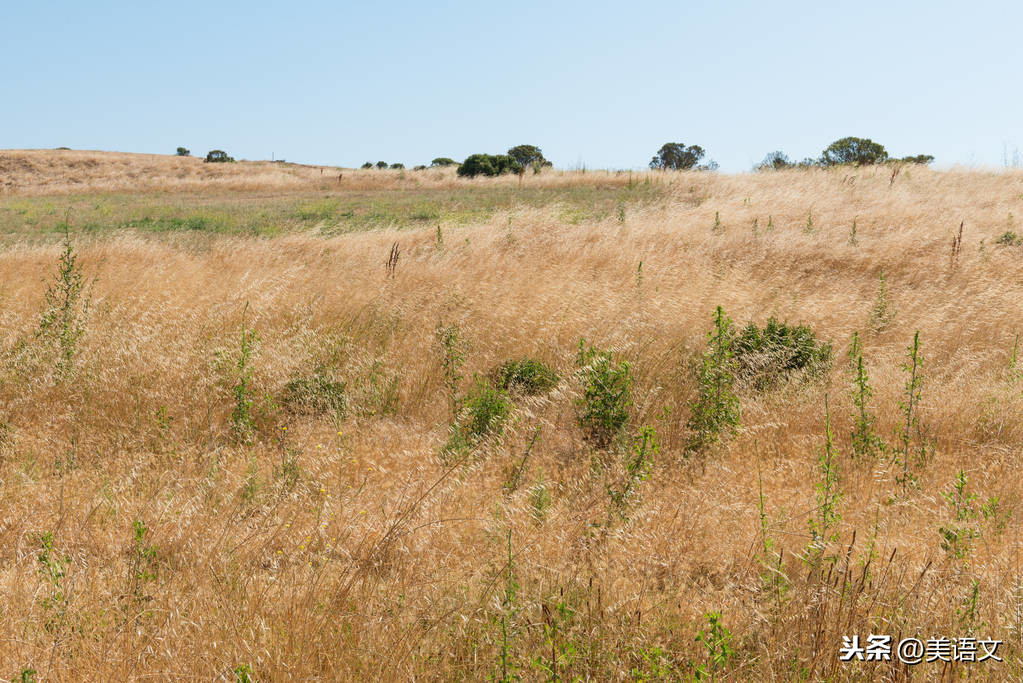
859	151
218	156
488	164
528	155
443	161
676	156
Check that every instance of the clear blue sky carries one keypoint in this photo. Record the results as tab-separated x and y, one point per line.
597	83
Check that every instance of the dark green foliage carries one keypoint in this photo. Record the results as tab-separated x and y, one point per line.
716	409
488	165
419	167
607	384
67	308
923	159
367	165
397	166
529	156
443	161
1009	239
316	394
182	152
775	161
527	375
676	156
865	441
218	156
485	410
851	150
381	165
763	356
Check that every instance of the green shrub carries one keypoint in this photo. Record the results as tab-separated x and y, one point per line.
443	161
488	165
852	150
716	409
1009	239
676	156
316	394
529	156
775	161
367	165
397	166
527	375
763	356
218	156
381	165
604	406
183	152
485	411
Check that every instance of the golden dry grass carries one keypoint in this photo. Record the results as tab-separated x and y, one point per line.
382	560
63	172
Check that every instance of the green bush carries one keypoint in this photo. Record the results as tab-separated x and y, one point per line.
182	152
851	150
922	159
443	161
381	165
604	406
488	165
397	166
485	411
763	356
316	394
367	165
676	156
529	156
527	375
218	156
716	412
1009	239
775	161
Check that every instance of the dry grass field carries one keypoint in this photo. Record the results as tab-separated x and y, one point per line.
276	454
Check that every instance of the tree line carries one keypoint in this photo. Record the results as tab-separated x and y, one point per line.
672	156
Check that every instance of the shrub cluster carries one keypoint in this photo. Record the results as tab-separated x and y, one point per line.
527	375
764	356
850	151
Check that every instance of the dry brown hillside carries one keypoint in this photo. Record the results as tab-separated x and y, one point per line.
62	172
280	454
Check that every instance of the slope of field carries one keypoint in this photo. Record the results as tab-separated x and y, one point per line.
240	463
43	172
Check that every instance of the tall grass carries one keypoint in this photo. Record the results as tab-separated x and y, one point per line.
344	545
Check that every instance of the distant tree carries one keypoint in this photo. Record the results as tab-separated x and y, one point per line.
218	156
676	156
923	159
859	151
488	164
397	166
419	167
368	164
529	155
381	164
775	161
182	152
443	161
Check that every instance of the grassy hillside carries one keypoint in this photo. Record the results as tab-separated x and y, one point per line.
275	448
